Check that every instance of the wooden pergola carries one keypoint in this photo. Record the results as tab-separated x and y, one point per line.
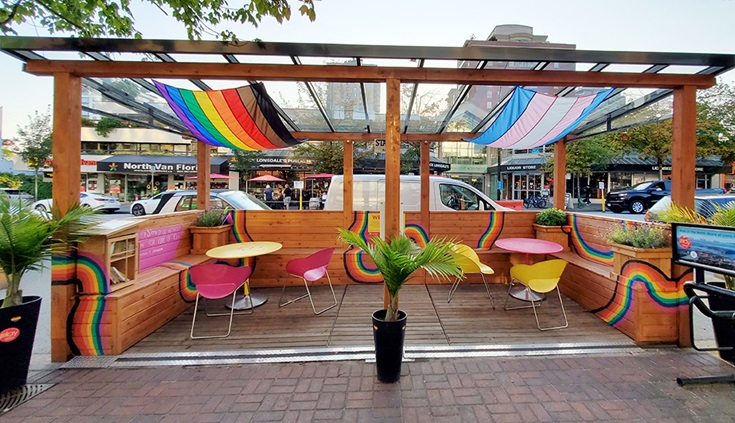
98	62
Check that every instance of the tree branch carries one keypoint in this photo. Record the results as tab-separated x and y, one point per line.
12	14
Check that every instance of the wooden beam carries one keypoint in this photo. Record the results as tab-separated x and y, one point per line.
424	171
560	173
347	191
333	73
684	147
67	152
393	158
203	175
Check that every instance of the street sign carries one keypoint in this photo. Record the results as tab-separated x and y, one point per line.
298	184
379	145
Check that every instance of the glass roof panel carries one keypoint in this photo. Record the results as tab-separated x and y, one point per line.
263	60
198	58
480	100
625	68
343	104
686	70
430	106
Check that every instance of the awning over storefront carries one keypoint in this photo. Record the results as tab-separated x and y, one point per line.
520	164
639	164
159	164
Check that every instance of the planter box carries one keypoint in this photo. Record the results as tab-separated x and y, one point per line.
657	257
206	238
553	234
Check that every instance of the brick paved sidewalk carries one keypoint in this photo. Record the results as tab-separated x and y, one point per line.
633	387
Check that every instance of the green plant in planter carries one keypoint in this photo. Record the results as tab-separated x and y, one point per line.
398	258
27	238
212	218
551	217
640	236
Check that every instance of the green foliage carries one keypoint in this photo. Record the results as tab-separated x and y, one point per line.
88	123
652	141
325	157
551	217
640	236
212	218
400	257
100	18
35	140
246	162
27	238
9	180
107	125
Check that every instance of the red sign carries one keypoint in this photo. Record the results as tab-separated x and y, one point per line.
684	242
9	334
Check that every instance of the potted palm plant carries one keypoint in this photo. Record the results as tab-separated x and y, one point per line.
397	259
211	229
27	238
548	226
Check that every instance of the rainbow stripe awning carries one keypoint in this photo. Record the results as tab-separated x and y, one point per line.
239	118
530	119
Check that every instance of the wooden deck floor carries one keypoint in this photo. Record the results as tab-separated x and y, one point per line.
468	320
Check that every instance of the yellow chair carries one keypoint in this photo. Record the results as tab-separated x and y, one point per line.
469	262
536	280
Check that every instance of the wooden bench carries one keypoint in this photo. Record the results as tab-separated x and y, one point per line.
109	318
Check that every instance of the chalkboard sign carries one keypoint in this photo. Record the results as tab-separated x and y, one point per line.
706	247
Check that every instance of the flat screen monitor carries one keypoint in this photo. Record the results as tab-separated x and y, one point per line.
706	247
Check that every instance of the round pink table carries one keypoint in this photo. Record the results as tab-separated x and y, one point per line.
528	246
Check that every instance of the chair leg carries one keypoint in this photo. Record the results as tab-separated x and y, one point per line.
308	294
510	287
453	288
193	320
487	288
566	322
248	299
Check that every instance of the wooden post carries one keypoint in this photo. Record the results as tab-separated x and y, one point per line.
684	147
392	163
560	173
424	171
67	153
347	206
203	170
683	168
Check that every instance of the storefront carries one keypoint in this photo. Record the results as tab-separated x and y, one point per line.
520	177
129	177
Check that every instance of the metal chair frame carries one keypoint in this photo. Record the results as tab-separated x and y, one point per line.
470	263
530	294
232	313
306	285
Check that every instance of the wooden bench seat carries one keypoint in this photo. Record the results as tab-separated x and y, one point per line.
575	260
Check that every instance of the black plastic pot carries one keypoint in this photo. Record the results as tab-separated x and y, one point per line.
388	337
17	332
724	329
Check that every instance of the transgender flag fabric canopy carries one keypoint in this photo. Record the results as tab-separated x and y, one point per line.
239	118
530	119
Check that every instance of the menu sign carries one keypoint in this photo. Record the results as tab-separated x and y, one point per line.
706	247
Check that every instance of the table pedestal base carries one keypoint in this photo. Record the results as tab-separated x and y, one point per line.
245	303
520	292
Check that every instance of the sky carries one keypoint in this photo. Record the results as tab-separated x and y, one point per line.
694	26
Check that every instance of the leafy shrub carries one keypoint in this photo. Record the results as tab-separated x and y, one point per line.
551	217
211	218
642	236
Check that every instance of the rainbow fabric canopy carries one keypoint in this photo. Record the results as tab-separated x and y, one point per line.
530	119
239	118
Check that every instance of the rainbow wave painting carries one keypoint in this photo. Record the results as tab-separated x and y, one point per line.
665	292
63	268
358	265
242	118
86	324
585	250
239	226
492	231
92	274
417	233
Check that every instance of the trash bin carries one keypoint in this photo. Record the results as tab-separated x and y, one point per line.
568	203
314	203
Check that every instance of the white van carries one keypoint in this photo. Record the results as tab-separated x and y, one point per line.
445	194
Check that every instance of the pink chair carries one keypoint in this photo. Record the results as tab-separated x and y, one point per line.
215	281
310	269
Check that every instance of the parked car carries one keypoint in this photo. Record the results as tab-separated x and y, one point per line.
183	200
706	205
641	197
14	193
89	199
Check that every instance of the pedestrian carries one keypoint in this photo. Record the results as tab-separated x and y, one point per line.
287	194
587	191
268	194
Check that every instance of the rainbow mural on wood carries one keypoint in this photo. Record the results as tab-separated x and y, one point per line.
86	329
92	274
642	277
242	118
417	233
239	226
492	231
357	264
584	249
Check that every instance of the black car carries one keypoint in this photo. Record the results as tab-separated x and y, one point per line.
637	198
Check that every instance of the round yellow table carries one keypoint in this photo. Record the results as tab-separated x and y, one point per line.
244	250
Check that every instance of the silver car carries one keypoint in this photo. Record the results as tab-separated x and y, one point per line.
101	202
184	200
